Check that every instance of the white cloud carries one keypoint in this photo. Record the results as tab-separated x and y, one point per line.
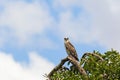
25	19
12	70
74	28
97	22
66	4
105	20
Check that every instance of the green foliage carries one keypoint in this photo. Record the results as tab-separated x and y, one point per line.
66	75
108	69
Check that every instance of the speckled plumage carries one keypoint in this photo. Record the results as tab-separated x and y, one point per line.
70	49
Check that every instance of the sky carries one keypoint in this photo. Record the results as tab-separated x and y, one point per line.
32	33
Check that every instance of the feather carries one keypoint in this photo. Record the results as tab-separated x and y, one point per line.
70	49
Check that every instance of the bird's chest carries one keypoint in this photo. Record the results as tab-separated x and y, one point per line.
68	51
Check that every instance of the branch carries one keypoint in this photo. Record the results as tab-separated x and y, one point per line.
77	65
73	61
57	67
96	55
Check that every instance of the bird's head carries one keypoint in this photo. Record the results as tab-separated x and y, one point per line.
66	39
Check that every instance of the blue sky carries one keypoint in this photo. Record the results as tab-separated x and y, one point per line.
32	32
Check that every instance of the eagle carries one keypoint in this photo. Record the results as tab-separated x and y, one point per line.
70	49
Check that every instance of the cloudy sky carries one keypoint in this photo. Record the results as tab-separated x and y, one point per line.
32	32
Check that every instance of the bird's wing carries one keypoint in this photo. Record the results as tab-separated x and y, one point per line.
71	47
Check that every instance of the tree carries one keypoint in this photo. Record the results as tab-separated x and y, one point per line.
92	66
